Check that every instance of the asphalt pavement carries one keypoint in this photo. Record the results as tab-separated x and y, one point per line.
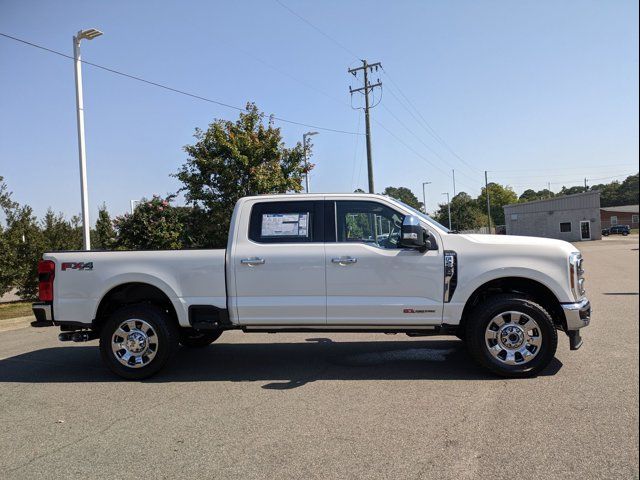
343	406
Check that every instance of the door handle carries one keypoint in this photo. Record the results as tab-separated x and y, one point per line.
344	260
252	261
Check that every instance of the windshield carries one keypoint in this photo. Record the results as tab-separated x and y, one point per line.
423	216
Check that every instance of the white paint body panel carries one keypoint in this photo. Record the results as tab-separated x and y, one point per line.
382	284
299	285
187	277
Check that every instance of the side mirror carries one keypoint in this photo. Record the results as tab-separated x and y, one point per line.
412	235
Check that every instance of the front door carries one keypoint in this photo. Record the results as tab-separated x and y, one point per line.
279	269
370	279
585	230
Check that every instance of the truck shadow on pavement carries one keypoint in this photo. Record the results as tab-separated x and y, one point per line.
283	365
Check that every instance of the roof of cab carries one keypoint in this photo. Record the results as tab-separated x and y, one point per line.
313	195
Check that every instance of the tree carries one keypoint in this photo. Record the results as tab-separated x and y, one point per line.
628	191
231	160
105	234
499	196
7	274
60	234
154	225
5	197
25	244
572	190
465	213
404	195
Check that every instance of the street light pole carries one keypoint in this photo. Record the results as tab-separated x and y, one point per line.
86	228
448	208
424	196
306	161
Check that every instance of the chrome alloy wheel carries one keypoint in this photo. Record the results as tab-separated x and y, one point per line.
134	343
513	338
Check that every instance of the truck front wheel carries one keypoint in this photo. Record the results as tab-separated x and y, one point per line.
137	340
511	336
194	339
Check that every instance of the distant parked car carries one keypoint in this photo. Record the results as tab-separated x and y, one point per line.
617	230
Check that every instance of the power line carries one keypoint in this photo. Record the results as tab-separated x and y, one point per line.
319	30
426	124
582	168
346	49
566	182
174	90
430	129
550	175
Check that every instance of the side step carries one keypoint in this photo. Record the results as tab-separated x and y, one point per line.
77	336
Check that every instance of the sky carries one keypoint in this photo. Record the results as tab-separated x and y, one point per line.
532	91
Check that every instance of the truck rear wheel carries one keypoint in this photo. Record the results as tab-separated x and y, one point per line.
194	339
137	341
511	336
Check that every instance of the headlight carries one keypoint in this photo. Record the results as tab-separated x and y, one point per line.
576	275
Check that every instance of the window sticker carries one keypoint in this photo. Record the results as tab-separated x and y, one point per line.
285	225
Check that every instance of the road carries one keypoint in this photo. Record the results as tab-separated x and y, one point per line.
292	406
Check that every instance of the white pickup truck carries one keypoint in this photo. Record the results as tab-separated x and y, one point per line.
330	263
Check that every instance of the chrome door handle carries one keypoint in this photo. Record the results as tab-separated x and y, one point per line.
344	260
252	261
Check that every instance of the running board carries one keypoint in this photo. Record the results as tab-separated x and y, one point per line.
414	330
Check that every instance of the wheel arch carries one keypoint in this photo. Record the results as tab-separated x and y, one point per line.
130	293
528	287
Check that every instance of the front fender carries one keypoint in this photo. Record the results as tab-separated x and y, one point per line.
466	288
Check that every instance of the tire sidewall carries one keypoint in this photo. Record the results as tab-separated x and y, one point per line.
489	310
161	324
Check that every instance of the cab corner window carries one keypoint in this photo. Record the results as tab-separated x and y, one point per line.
368	222
283	222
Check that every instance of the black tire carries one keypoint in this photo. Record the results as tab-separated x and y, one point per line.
193	339
482	319
160	328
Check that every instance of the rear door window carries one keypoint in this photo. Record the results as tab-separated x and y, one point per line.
286	222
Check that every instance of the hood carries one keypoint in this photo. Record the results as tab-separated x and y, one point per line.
520	241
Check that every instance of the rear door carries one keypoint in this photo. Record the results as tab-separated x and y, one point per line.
370	279
279	265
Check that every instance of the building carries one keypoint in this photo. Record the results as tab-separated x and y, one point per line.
571	217
622	215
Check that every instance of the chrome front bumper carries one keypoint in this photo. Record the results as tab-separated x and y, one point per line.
577	315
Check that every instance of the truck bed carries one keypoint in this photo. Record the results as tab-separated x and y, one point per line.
187	277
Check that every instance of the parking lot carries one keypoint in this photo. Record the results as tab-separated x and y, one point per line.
293	406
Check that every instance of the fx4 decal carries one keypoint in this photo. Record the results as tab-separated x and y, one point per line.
77	266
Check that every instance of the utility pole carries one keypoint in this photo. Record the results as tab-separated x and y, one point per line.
585	185
448	208
306	158
454	181
486	190
424	196
366	68
84	196
549	188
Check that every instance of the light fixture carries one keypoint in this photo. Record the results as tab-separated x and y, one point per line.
88	34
